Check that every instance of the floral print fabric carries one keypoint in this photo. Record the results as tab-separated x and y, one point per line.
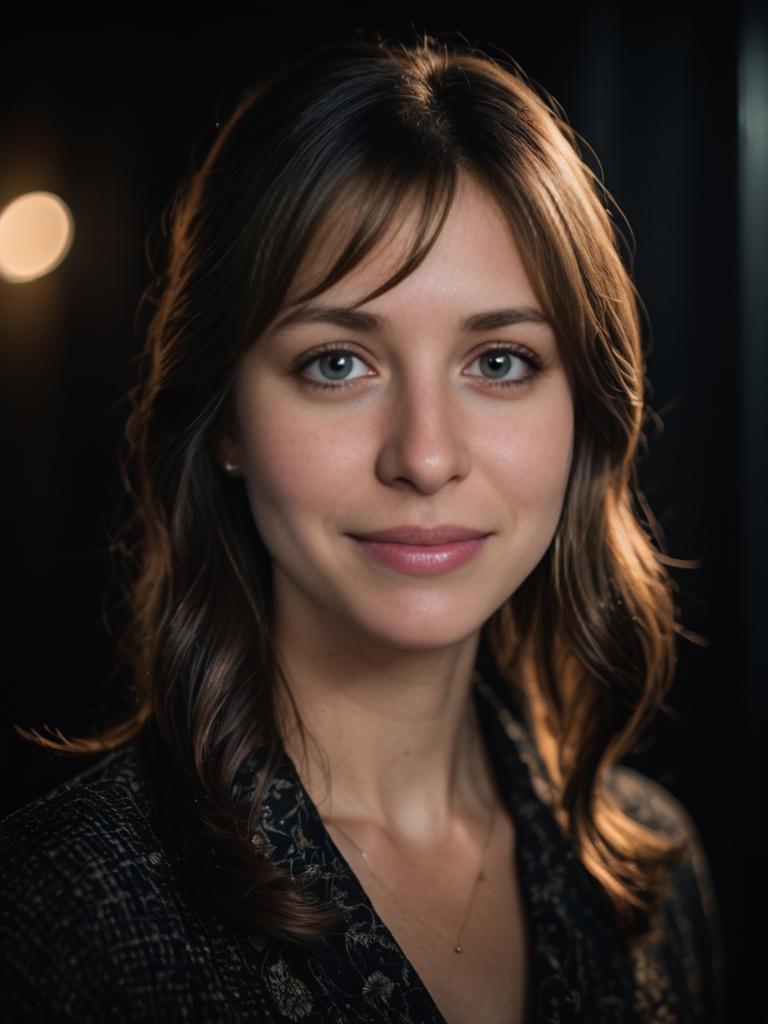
584	971
96	925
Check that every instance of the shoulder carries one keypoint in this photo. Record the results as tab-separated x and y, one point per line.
101	814
651	804
74	864
691	915
648	802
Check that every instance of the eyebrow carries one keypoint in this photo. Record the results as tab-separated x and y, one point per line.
357	320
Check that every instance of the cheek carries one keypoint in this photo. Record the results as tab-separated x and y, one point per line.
532	461
292	464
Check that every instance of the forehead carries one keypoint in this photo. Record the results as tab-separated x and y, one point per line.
475	235
344	227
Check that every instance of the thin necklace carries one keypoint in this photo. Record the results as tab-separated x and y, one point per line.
479	878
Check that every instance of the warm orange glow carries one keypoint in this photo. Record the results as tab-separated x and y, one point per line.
36	232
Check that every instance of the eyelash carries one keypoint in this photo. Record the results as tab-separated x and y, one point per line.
533	361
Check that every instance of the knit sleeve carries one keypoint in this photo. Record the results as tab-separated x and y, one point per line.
700	916
52	964
691	952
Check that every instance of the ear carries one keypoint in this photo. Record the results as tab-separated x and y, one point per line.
227	452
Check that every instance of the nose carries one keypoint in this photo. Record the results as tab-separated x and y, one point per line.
425	441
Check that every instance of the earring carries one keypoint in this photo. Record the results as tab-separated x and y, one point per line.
230	467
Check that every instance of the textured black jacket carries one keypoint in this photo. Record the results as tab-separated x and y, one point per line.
97	925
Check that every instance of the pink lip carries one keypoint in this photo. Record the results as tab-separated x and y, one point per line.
445	533
423	559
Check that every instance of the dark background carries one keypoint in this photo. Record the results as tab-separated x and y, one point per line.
109	116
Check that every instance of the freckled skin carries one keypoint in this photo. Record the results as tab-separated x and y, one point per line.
420	443
422	437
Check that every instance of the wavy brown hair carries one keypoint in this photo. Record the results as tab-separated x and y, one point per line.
346	139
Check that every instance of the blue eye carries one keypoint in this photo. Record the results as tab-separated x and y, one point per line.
332	358
499	357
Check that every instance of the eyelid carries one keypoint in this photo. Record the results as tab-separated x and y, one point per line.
303	359
535	363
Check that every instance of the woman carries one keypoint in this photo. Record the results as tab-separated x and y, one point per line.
384	441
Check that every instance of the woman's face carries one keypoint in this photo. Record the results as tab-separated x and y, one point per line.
413	428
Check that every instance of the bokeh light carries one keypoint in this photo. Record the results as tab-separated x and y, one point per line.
36	232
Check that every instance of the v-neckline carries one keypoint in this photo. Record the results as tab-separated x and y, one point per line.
313	818
365	899
576	948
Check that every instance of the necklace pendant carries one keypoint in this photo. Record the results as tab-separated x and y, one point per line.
457	948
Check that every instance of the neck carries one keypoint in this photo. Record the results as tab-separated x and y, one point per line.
399	736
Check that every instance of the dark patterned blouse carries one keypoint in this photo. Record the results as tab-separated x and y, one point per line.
96	925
